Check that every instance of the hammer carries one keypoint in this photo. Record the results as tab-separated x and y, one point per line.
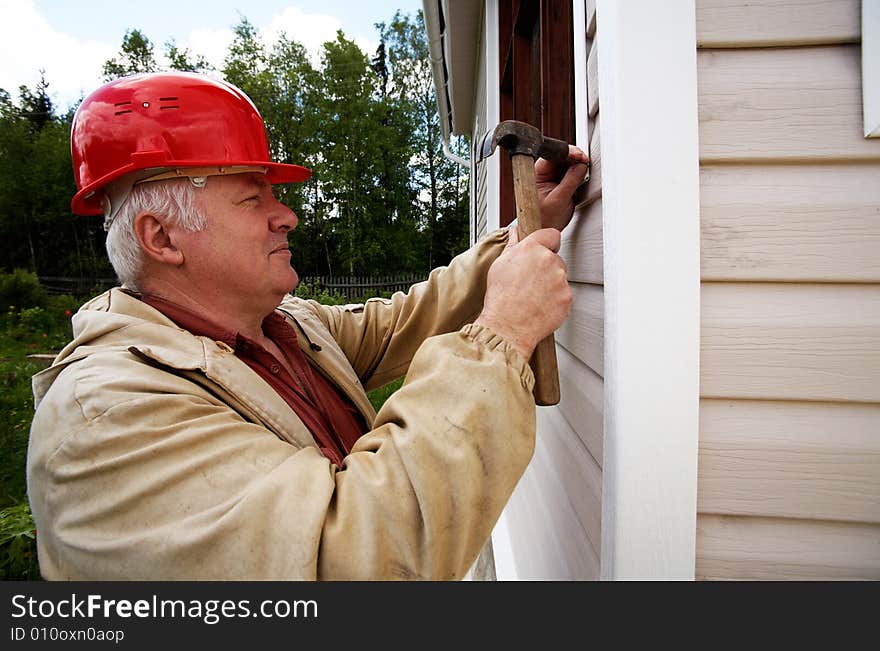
525	144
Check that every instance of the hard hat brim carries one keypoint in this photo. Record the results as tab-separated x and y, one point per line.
88	200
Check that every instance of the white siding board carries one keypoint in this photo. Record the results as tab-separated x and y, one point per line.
579	477
582	401
745	23
582	334
790	342
593	80
796	460
592	190
790	222
746	548
551	542
782	104
581	246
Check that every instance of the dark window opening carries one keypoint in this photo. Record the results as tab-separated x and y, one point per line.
537	75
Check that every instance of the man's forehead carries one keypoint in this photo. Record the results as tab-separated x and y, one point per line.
244	181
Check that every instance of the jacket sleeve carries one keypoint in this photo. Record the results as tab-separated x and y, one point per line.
137	473
380	337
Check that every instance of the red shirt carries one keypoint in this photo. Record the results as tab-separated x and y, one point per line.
331	417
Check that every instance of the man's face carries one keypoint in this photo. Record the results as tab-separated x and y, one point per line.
242	255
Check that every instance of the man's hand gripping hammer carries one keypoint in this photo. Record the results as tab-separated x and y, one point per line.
525	144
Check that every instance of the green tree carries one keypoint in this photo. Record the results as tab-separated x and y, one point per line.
441	185
184	60
36	105
136	55
365	170
37	230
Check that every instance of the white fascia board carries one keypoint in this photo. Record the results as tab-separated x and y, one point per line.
581	101
431	11
651	222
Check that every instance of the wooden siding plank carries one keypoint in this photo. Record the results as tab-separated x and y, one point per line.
817	461
782	104
582	401
790	342
583	333
593	79
790	223
581	246
774	549
745	23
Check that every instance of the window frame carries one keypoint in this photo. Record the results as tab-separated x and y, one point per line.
535	76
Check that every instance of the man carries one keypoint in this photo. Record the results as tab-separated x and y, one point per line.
205	424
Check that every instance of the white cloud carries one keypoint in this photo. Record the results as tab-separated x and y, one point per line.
311	30
28	43
213	44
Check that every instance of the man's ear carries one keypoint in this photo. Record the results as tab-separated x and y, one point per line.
156	240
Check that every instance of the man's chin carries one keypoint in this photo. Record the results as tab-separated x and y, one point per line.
289	284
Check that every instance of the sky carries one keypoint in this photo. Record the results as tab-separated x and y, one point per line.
71	39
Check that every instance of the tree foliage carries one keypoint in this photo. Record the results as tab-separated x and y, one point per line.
382	198
136	55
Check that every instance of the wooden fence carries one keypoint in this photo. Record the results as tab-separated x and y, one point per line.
76	286
352	287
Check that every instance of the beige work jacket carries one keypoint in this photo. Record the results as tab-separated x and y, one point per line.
156	454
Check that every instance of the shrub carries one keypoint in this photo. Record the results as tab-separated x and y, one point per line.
18	544
35	319
21	289
318	293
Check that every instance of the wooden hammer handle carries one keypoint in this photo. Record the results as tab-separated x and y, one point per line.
528	213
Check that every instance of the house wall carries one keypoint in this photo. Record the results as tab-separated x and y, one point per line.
789	463
553	519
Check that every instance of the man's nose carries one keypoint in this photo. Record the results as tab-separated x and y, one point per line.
283	218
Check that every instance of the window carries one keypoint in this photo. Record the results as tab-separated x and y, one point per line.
537	75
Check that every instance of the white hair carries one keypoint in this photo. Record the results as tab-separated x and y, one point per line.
174	199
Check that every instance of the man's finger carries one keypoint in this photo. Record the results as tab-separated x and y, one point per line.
574	176
577	155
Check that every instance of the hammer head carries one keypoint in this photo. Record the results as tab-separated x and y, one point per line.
524	139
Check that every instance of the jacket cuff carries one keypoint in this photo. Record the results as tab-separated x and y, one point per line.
485	337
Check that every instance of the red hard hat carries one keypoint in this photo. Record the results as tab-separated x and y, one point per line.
166	120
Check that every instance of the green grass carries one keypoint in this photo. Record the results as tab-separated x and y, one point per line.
379	396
